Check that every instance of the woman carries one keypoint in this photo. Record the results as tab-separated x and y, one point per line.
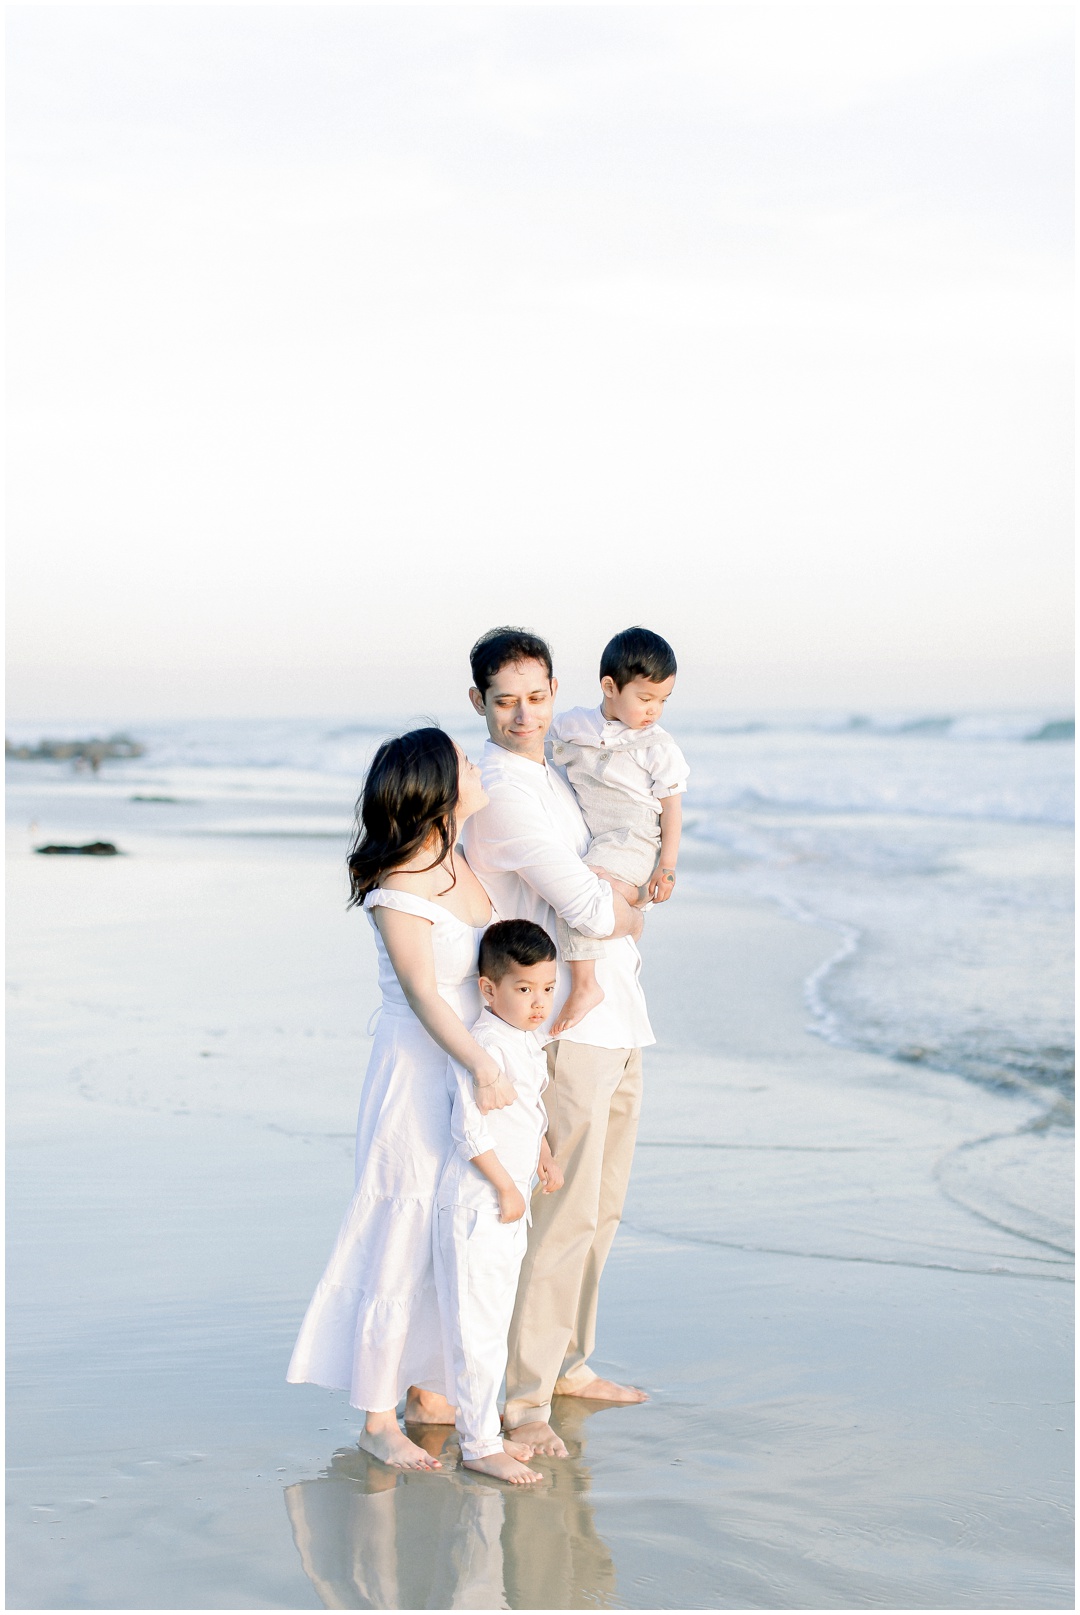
373	1325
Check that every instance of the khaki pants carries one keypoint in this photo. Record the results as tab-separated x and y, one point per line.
593	1102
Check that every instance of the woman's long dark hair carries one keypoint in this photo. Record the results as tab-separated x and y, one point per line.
409	794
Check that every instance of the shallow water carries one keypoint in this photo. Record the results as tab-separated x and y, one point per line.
843	1278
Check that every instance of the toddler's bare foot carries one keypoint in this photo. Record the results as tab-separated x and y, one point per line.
392	1446
602	1390
541	1438
517	1449
427	1407
577	1006
502	1467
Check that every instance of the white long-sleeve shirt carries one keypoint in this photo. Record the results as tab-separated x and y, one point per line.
528	846
514	1133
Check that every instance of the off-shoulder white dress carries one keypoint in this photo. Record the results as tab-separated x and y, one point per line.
372	1328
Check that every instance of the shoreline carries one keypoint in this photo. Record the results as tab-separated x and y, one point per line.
853	1403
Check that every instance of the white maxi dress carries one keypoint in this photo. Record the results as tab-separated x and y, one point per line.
372	1328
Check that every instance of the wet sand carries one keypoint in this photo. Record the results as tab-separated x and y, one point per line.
858	1358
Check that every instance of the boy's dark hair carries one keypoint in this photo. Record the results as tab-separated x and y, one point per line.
637	653
502	645
513	942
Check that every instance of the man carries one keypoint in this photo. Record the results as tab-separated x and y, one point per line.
527	846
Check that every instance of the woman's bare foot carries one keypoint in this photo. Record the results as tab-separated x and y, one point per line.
502	1467
581	1000
392	1446
427	1407
602	1390
541	1438
517	1449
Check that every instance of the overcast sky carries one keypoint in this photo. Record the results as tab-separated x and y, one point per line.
340	333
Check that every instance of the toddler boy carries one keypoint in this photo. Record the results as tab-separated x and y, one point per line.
483	1195
628	776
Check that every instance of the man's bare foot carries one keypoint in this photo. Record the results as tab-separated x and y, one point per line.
517	1449
427	1407
502	1467
577	1006
602	1390
541	1438
392	1446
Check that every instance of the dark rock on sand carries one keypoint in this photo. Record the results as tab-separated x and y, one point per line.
91	849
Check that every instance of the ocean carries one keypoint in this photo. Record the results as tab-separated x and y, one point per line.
937	847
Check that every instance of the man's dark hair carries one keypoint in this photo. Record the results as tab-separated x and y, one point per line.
637	653
500	646
513	942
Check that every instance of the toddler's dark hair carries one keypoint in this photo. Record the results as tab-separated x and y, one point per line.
637	653
513	942
502	646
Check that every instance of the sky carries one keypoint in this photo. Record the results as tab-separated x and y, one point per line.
339	334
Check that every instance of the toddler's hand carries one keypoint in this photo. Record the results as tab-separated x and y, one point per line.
662	884
511	1204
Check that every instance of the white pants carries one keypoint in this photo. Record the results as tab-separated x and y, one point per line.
477	1262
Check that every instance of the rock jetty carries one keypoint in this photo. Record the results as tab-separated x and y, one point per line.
80	752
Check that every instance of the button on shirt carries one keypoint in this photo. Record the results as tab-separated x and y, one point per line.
527	846
514	1133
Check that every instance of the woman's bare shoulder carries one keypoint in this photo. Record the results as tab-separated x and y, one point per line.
420	882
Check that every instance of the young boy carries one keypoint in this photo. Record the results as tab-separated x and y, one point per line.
483	1196
628	776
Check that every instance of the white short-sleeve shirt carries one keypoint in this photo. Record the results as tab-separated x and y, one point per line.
645	764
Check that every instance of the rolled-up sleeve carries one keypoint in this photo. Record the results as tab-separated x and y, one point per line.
520	839
668	769
468	1128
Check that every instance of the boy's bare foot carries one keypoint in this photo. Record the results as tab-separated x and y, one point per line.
517	1449
541	1438
577	1006
502	1467
392	1446
602	1390
427	1407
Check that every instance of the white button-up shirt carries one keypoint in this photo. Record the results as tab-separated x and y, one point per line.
514	1133
528	846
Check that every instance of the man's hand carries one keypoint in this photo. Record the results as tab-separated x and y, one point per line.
662	883
548	1170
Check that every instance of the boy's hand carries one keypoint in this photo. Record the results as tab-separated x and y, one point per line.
511	1204
548	1170
662	883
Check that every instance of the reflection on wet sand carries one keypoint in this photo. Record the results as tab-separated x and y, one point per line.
370	1537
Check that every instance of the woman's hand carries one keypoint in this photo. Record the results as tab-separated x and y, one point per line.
492	1090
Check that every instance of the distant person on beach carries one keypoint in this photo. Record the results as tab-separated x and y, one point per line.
528	845
373	1327
628	776
483	1196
